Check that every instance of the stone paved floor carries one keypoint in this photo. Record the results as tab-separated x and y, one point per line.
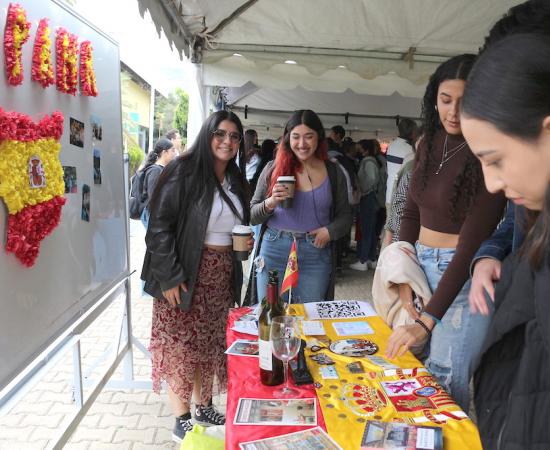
119	419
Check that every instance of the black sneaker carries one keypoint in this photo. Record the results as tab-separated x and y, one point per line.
183	425
207	415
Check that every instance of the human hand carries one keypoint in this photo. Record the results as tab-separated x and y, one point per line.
486	273
250	243
388	237
322	237
278	194
172	295
406	298
406	336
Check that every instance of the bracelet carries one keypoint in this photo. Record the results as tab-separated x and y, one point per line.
423	325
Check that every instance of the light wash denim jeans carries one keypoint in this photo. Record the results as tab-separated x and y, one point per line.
456	342
314	265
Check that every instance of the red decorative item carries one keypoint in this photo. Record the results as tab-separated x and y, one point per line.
66	50
16	34
20	127
29	226
87	76
42	67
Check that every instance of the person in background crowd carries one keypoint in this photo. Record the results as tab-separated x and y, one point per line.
506	120
372	185
532	16
190	270
319	216
266	155
336	136
252	153
400	150
447	216
163	153
175	136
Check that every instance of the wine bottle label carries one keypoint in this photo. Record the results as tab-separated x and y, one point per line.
266	359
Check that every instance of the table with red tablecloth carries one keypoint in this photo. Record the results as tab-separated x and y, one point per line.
244	382
344	406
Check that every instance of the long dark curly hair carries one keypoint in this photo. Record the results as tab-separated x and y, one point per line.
466	185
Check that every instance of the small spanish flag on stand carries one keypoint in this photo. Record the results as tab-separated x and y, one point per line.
291	273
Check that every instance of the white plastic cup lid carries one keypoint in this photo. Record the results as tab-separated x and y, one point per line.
286	179
242	229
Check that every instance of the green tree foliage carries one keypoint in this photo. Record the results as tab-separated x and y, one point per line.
135	154
181	113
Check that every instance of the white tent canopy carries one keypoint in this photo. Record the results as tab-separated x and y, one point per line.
373	47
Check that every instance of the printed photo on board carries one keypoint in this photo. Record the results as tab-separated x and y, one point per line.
97	166
69	177
85	215
97	131
77	133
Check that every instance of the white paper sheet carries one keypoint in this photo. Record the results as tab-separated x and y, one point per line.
339	309
313	328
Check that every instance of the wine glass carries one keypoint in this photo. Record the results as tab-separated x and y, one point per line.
285	343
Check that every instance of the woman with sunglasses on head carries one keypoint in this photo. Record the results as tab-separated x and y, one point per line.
319	216
190	269
506	120
447	216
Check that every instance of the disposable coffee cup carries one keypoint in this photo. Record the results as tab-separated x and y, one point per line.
289	182
241	235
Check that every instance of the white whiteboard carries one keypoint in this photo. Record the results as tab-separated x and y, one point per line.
80	260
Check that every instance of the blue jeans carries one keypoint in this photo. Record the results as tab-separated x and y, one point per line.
145	218
314	265
455	346
368	213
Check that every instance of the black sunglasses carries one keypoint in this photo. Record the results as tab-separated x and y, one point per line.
220	135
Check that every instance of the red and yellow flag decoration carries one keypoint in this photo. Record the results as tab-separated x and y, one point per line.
16	34
291	272
31	180
42	67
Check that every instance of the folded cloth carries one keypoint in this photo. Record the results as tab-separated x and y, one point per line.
398	264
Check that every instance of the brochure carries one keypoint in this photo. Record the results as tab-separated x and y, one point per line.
243	347
400	436
255	411
246	327
313	439
352	328
313	328
339	309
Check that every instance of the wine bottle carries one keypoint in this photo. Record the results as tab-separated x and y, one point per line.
271	368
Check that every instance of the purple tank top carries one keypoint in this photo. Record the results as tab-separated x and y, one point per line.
310	210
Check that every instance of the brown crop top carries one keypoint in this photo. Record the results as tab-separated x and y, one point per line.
430	207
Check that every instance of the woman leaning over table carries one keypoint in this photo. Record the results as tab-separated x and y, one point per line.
320	214
447	215
506	120
190	270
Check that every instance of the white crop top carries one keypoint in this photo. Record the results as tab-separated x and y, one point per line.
222	220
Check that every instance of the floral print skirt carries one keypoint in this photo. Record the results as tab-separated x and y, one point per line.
182	341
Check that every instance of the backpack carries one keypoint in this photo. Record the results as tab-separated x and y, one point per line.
137	198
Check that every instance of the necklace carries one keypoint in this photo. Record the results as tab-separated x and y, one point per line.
448	154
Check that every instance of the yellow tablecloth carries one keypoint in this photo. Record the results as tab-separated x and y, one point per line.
407	394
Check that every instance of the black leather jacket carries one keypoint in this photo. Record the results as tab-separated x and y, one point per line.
175	238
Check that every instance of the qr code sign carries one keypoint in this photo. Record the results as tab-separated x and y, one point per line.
336	310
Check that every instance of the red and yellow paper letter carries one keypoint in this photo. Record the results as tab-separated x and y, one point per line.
66	48
87	75
31	180
16	34
42	68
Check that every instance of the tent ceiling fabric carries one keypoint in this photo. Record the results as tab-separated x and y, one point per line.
370	38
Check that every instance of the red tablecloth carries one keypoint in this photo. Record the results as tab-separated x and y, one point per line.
244	382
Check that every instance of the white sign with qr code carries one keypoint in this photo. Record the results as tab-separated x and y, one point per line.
339	309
